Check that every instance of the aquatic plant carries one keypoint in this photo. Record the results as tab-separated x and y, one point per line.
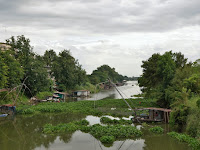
192	142
107	139
118	131
156	129
106	134
102	107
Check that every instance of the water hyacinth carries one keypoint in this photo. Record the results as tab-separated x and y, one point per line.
157	130
192	142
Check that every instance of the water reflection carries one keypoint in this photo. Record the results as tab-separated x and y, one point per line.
25	133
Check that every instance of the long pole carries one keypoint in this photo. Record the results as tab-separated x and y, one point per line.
124	99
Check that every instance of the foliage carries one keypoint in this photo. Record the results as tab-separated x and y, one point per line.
102	73
179	115
10	70
107	139
192	142
35	75
87	107
158	73
43	95
88	86
67	71
198	103
106	134
156	129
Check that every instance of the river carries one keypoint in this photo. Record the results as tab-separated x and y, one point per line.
25	132
128	90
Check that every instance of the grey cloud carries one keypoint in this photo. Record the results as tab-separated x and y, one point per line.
102	16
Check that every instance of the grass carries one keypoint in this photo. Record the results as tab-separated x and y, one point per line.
192	142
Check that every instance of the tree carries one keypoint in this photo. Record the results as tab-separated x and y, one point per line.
3	72
34	68
49	57
14	70
158	73
67	71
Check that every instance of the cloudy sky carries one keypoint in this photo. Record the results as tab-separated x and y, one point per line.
120	33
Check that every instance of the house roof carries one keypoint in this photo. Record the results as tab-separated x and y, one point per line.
56	96
154	108
60	93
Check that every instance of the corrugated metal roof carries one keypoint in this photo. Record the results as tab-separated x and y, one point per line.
154	108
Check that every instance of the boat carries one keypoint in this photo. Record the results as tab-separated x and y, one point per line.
3	115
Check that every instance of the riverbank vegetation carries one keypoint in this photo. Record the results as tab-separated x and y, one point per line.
19	64
174	83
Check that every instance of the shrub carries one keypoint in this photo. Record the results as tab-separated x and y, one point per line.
198	103
156	129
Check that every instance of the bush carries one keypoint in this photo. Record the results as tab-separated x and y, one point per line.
43	95
179	115
107	139
156	129
198	103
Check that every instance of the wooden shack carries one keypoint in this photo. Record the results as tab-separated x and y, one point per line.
81	93
152	115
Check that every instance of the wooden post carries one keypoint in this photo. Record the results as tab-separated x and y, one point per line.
167	117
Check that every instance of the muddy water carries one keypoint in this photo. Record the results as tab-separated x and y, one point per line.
25	133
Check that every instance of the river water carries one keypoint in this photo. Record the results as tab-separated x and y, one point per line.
128	90
25	132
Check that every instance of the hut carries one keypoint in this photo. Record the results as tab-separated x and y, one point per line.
61	95
7	109
152	115
81	93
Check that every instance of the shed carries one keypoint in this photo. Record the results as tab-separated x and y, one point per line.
61	95
152	114
81	93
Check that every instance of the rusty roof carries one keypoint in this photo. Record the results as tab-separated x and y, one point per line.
154	108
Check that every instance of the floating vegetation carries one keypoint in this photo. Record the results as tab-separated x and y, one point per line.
102	107
106	120
156	129
144	124
107	139
106	134
192	142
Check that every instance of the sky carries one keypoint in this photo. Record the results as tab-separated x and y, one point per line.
120	33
